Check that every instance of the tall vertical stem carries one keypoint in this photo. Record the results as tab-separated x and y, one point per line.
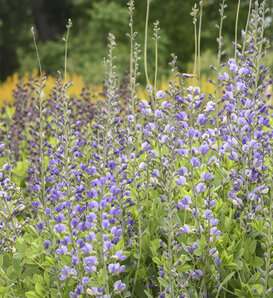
199	42
236	30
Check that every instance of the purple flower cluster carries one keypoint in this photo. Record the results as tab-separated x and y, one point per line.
145	194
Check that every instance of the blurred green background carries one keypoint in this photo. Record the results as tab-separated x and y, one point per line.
93	19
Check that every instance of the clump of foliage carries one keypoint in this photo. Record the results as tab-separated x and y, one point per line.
164	196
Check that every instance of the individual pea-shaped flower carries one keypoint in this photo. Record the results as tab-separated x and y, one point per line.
90	237
203	149
60	228
232	65
184	203
149	88
154	154
108	245
85	280
182	180
186	229
130	118
213	252
182	171
119	286
205	176
207	214
116	268
120	256
47	244
87	249
223	77
160	94
201	187
75	260
67	272
92	193
40	226
62	250
195	162
165	104
192	248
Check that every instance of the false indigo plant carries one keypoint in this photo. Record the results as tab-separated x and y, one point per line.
164	196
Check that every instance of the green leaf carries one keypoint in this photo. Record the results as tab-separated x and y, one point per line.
120	245
226	279
239	253
239	264
4	289
258	262
148	294
46	278
93	283
163	282
156	260
252	247
20	246
257	287
232	265
18	256
155	246
39	289
54	292
33	294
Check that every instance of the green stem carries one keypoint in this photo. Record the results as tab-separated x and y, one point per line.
170	233
156	62
37	52
195	53
41	150
269	244
106	285
139	253
145	42
199	42
68	26
236	29
219	54
246	28
67	180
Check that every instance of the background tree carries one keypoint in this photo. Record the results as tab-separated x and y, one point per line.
93	20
